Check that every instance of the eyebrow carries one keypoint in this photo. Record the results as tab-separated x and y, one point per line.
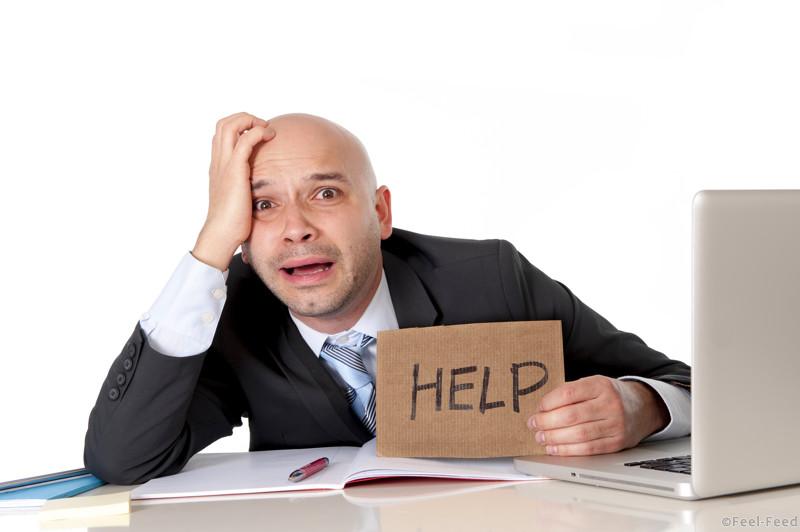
319	176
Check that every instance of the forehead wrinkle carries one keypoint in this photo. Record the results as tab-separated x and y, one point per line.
325	145
314	177
265	158
300	165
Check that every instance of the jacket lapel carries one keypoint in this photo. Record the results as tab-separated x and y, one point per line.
412	305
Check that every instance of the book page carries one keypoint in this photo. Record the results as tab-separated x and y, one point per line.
366	465
250	472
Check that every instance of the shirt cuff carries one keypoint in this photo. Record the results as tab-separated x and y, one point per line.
184	318
679	404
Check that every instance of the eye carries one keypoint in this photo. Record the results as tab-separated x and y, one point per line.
260	205
328	193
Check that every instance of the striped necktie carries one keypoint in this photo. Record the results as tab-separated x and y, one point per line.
360	389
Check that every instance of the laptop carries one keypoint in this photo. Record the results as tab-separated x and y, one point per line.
745	361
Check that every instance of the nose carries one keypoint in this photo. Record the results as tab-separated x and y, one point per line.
297	227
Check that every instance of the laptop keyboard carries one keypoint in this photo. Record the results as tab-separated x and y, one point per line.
674	464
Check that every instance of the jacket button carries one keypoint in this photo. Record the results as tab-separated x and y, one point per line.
120	378
113	394
127	364
131	350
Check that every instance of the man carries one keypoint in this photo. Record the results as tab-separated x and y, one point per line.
284	333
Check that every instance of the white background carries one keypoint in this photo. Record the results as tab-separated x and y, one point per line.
578	130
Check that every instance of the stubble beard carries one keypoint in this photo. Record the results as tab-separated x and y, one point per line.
321	301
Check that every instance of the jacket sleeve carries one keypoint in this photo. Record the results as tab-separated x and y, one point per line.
592	345
154	412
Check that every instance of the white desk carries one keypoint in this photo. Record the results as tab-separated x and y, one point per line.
440	505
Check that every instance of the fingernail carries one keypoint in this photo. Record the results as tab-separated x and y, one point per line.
540	437
551	449
532	422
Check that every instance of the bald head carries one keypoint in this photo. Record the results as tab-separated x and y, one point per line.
305	140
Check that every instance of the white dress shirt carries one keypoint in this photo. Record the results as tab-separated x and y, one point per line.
184	318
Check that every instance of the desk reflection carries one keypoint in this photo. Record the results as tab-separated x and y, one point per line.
443	505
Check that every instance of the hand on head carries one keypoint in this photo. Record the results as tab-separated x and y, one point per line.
229	217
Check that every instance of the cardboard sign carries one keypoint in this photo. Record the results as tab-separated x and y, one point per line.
465	391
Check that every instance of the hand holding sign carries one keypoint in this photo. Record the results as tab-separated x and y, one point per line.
597	415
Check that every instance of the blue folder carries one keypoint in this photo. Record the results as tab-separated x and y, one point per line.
30	481
36	495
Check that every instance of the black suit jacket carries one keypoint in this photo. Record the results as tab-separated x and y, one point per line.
155	411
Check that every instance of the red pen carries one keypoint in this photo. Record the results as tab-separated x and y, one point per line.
309	469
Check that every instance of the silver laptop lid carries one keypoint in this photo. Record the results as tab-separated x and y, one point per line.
746	340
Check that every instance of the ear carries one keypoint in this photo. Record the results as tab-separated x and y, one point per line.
383	208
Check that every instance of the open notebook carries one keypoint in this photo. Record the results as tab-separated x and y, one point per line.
268	471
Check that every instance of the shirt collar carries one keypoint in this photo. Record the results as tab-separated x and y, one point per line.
378	316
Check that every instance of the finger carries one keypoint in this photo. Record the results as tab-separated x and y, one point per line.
567	416
569	393
222	123
230	117
212	168
227	134
216	145
227	148
230	128
247	141
609	444
216	141
582	432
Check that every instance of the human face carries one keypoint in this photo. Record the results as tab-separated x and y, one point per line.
316	232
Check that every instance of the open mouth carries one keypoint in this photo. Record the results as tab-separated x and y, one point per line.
309	269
